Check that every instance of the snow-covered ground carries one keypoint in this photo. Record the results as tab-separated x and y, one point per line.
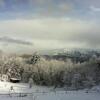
44	93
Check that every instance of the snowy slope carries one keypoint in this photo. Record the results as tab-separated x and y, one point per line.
44	93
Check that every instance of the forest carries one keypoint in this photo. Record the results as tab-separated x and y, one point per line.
52	72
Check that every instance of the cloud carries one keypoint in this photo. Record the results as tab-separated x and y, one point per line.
94	9
51	8
61	31
62	23
14	41
88	3
45	28
2	3
35	7
90	39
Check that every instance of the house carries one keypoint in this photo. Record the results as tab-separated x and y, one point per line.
15	80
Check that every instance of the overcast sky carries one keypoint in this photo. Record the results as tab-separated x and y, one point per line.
28	25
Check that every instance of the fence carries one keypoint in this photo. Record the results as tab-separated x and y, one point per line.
26	96
17	96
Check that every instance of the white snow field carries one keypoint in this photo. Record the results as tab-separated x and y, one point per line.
22	92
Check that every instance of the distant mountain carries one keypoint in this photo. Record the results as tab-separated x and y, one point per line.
66	51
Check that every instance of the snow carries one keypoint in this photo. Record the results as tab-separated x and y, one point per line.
44	93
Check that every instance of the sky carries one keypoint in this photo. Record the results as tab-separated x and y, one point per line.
30	25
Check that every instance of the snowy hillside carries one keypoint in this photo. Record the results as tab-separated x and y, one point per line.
44	93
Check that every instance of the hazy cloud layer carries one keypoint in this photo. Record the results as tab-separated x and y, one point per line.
63	32
16	41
